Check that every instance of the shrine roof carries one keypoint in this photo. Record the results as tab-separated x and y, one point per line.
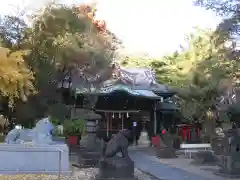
102	91
167	106
85	114
135	81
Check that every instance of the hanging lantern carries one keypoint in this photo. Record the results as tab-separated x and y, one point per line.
119	115
113	116
127	115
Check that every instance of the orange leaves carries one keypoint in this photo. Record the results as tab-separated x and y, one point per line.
91	14
100	24
84	9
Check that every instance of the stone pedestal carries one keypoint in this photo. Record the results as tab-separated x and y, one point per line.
143	139
34	159
88	159
217	145
90	155
90	142
204	158
165	152
230	165
116	168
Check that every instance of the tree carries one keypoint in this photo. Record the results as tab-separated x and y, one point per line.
16	80
197	72
12	31
61	41
229	7
229	10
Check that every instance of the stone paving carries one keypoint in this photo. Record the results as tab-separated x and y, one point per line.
90	173
168	169
171	169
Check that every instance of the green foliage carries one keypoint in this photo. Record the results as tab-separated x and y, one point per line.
12	30
196	72
2	139
74	127
206	68
60	40
229	11
222	7
233	112
55	121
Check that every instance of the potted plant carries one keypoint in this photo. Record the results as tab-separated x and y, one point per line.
73	130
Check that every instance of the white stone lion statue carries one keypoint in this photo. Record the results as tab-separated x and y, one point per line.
40	134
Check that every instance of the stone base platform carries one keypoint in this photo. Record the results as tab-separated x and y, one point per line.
87	159
99	178
90	159
230	165
116	168
33	158
165	153
227	175
205	158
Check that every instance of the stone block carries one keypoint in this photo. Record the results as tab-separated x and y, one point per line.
34	159
165	153
230	165
204	158
88	159
116	168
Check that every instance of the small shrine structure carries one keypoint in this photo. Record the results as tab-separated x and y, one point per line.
125	99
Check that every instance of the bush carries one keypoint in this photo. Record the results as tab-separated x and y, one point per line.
74	127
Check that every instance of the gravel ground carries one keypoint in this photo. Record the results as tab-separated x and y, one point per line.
143	176
78	174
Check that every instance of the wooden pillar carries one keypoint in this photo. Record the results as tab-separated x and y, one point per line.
122	121
155	119
107	124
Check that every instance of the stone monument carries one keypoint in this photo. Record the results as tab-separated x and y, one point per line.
112	166
40	134
209	157
90	154
165	150
144	138
35	150
230	159
217	141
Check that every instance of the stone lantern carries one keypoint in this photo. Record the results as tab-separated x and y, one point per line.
230	160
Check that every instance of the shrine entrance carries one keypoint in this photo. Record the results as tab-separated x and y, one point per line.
116	120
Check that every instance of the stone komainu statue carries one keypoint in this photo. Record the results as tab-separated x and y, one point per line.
118	143
113	166
165	150
40	134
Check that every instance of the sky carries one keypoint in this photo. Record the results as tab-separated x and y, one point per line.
153	27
